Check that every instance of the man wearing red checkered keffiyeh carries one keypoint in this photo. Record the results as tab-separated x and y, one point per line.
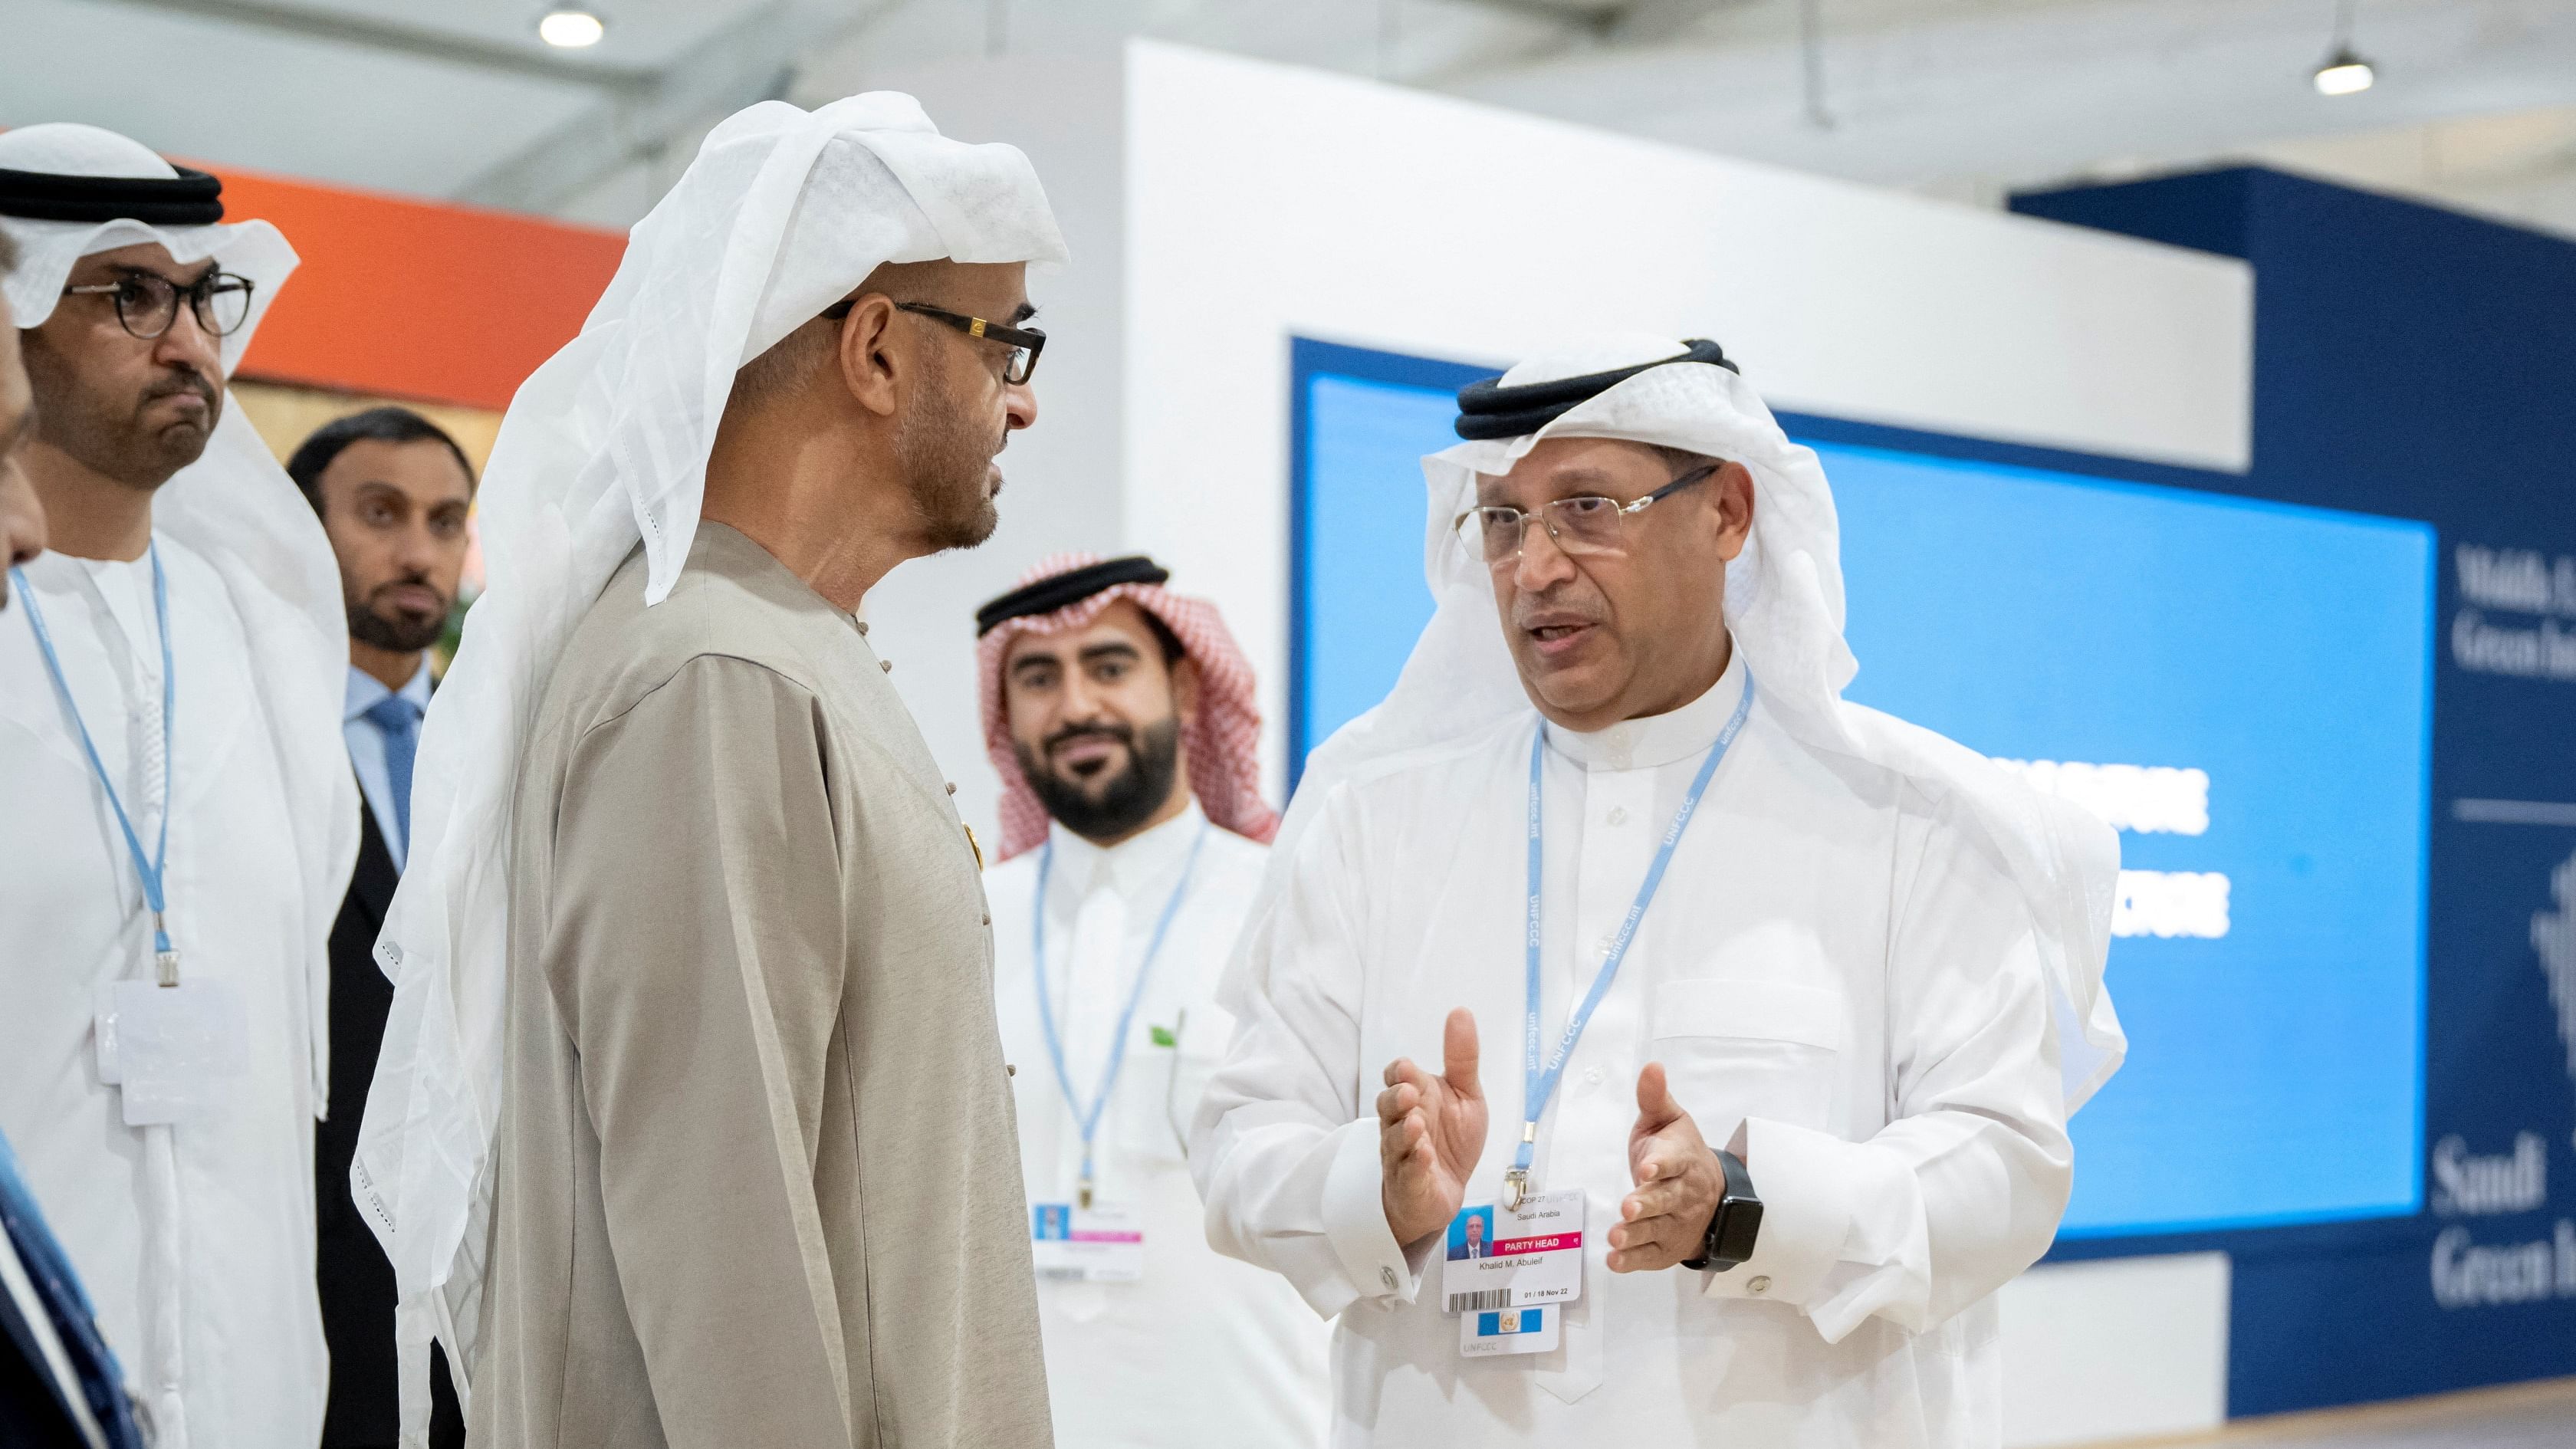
1218	741
1120	716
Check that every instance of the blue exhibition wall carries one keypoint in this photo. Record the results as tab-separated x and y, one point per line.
2415	363
2349	1069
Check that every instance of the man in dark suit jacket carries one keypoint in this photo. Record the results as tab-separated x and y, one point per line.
394	492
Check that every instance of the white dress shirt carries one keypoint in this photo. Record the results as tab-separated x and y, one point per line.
1204	1350
194	1241
367	747
1838	979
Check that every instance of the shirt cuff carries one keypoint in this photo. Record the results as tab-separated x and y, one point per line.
1355	1217
1806	1180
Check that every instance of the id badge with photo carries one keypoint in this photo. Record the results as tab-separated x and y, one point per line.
175	1053
1502	1257
1103	1243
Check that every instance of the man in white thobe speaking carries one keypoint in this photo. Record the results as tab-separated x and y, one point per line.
1745	1021
179	829
1121	718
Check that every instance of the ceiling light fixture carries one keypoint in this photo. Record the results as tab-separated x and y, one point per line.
2345	73
571	28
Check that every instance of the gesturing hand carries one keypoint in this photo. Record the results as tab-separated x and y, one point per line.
1431	1130
1678	1183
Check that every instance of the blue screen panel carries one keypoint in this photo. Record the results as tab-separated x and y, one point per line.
2276	1068
2277	659
1363	601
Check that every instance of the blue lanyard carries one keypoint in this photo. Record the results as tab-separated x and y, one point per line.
1087	1121
1538	1082
150	870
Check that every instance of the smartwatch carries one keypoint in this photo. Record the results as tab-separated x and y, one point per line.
1735	1224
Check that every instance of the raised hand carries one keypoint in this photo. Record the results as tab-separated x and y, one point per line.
1431	1131
1678	1183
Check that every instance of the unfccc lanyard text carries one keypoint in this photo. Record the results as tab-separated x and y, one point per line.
1087	1120
151	870
1538	1082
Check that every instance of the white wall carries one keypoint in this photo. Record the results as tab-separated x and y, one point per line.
1266	203
1218	207
2119	1348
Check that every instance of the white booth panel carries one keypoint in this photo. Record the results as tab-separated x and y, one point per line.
2118	1348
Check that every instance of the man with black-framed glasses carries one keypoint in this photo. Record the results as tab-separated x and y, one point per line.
180	823
749	1172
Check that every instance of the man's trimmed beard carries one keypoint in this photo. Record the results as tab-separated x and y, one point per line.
940	448
110	438
397	635
1131	797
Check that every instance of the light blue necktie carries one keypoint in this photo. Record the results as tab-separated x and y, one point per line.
398	720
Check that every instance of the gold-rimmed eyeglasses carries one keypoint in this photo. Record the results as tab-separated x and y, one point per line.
1586	523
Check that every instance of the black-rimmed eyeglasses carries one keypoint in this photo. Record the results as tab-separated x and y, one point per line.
1025	342
147	302
1586	523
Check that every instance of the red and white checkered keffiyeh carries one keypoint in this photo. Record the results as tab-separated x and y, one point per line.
1223	738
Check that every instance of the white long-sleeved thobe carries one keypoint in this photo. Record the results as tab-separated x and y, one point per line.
194	1241
1204	1349
1835	968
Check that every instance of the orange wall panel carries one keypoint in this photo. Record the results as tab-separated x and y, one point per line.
417	299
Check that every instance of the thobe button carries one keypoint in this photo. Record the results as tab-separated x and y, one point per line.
952	786
886	664
1619	815
1592	1077
863	626
988	918
1758	1286
1387	1277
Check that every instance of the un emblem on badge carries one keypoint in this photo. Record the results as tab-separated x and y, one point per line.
1510	1330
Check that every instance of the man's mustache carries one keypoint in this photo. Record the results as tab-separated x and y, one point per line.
182	380
1531	611
1116	734
413	578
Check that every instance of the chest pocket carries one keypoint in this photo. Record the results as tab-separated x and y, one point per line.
1159	1089
1736	1048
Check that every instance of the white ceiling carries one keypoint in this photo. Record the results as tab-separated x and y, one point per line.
2476	103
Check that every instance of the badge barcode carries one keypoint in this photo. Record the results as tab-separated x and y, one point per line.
1485	1302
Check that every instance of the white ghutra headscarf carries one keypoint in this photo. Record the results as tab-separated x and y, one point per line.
1784	606
782	213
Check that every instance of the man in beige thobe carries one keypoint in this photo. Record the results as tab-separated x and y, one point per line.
754	1159
750	1048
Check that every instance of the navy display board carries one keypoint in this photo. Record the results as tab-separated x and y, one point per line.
2244	687
2416	363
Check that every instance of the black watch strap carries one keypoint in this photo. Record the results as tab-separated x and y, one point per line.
1737	1222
